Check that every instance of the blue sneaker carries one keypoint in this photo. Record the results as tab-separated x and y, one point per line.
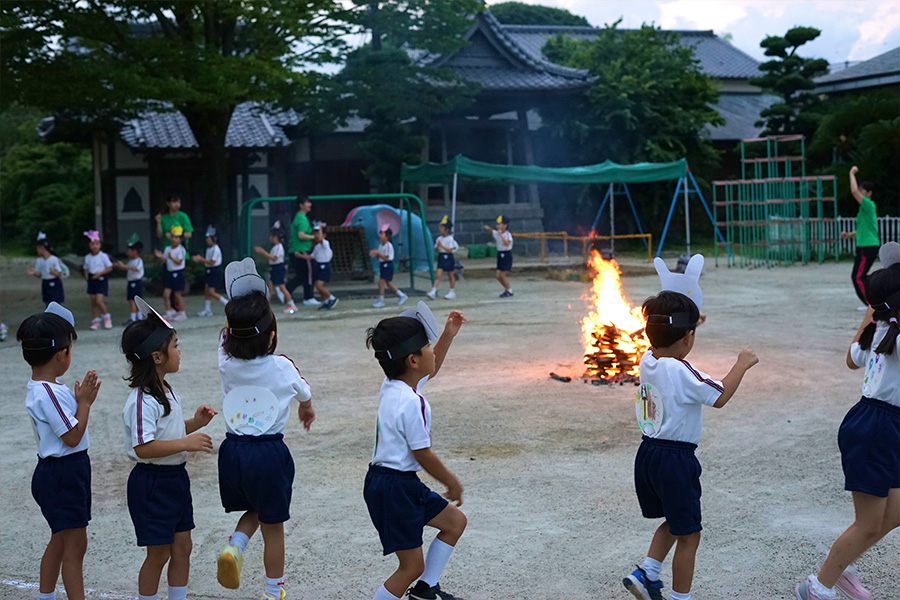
506	294
641	587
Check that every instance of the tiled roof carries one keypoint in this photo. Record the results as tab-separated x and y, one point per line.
881	68
250	127
741	112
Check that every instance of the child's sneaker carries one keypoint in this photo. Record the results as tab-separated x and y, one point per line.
170	314
451	295
280	295
378	303
228	567
849	583
205	313
506	294
642	587
311	302
403	298
107	322
807	591
95	324
432	294
422	591
3	332
180	316
291	309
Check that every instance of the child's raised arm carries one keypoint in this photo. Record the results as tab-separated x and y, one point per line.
455	320
262	251
434	467
746	359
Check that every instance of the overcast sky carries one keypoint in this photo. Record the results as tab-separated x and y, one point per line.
851	29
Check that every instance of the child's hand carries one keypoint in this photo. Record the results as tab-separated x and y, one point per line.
455	320
86	390
158	217
258	249
845	235
373	252
702	319
196	258
97	276
747	358
31	271
454	493
488	228
854	170
119	264
203	415
307	414
198	442
157	253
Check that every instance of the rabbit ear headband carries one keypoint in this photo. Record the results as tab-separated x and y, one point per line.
61	342
241	279
159	334
889	254
687	283
423	315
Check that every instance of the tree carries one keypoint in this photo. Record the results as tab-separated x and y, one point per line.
106	60
519	13
790	76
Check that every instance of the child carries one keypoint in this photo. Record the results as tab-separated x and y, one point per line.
174	256
61	484
134	277
869	439
96	268
385	255
213	262
256	470
504	241
446	246
50	270
400	505
277	267
322	255
158	438
669	408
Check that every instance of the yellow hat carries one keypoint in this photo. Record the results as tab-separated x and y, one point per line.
445	219
502	219
177	230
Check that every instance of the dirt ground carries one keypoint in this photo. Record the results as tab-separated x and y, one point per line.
547	466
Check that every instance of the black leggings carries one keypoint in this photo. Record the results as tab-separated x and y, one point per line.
303	274
865	256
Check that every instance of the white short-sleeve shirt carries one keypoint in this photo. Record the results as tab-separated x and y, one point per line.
45	265
882	380
214	253
678	393
278	252
404	425
144	422
503	240
137	263
97	263
446	241
322	252
176	253
274	373
387	249
52	407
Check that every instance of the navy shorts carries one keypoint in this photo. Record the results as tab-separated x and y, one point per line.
446	262
62	488
386	270
175	280
159	500
98	286
323	272
135	288
667	482
869	439
256	472
277	274
504	261
400	506
214	277
52	291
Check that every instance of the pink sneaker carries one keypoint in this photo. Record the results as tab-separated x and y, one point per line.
95	324
804	592
849	583
107	322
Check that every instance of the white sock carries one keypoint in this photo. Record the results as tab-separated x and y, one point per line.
383	594
107	316
153	597
240	540
207	305
274	585
140	315
434	290
381	298
132	317
177	592
223	300
400	293
673	595
50	596
438	555
652	568
820	590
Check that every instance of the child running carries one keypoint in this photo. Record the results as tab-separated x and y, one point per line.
61	484
134	277
399	504
97	267
869	438
174	257
214	278
670	413
158	438
504	240
50	270
385	255
322	255
277	267
445	246
256	470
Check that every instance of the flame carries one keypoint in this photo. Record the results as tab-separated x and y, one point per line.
611	314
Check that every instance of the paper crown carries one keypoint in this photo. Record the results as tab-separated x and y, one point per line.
176	230
62	341
445	220
423	314
419	340
134	239
383	227
159	334
687	283
889	254
502	219
210	231
93	235
41	236
61	311
241	279
316	225
276	225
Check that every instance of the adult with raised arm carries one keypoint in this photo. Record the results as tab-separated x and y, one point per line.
866	235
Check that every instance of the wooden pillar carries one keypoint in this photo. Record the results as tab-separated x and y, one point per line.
444	159
533	195
423	187
509	160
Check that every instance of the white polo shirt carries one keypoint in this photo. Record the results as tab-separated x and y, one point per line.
322	252
278	252
504	240
138	263
97	263
446	241
214	253
677	392
144	422
176	253
882	381
387	249
45	265
404	425
52	407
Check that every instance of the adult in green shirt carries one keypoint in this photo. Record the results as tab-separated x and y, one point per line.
866	235
172	217
299	246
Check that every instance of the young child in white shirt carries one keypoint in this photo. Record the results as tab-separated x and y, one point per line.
504	240
97	268
214	277
49	269
277	267
322	255
174	255
385	256
134	276
445	246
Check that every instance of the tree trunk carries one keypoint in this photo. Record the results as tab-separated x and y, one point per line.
210	128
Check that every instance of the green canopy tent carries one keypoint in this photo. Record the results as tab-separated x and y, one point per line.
606	172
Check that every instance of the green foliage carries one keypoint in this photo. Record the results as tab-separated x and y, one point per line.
519	13
790	76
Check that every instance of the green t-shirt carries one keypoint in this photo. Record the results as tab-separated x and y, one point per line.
300	223
168	221
866	224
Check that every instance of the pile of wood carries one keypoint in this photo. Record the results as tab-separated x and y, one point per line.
608	363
